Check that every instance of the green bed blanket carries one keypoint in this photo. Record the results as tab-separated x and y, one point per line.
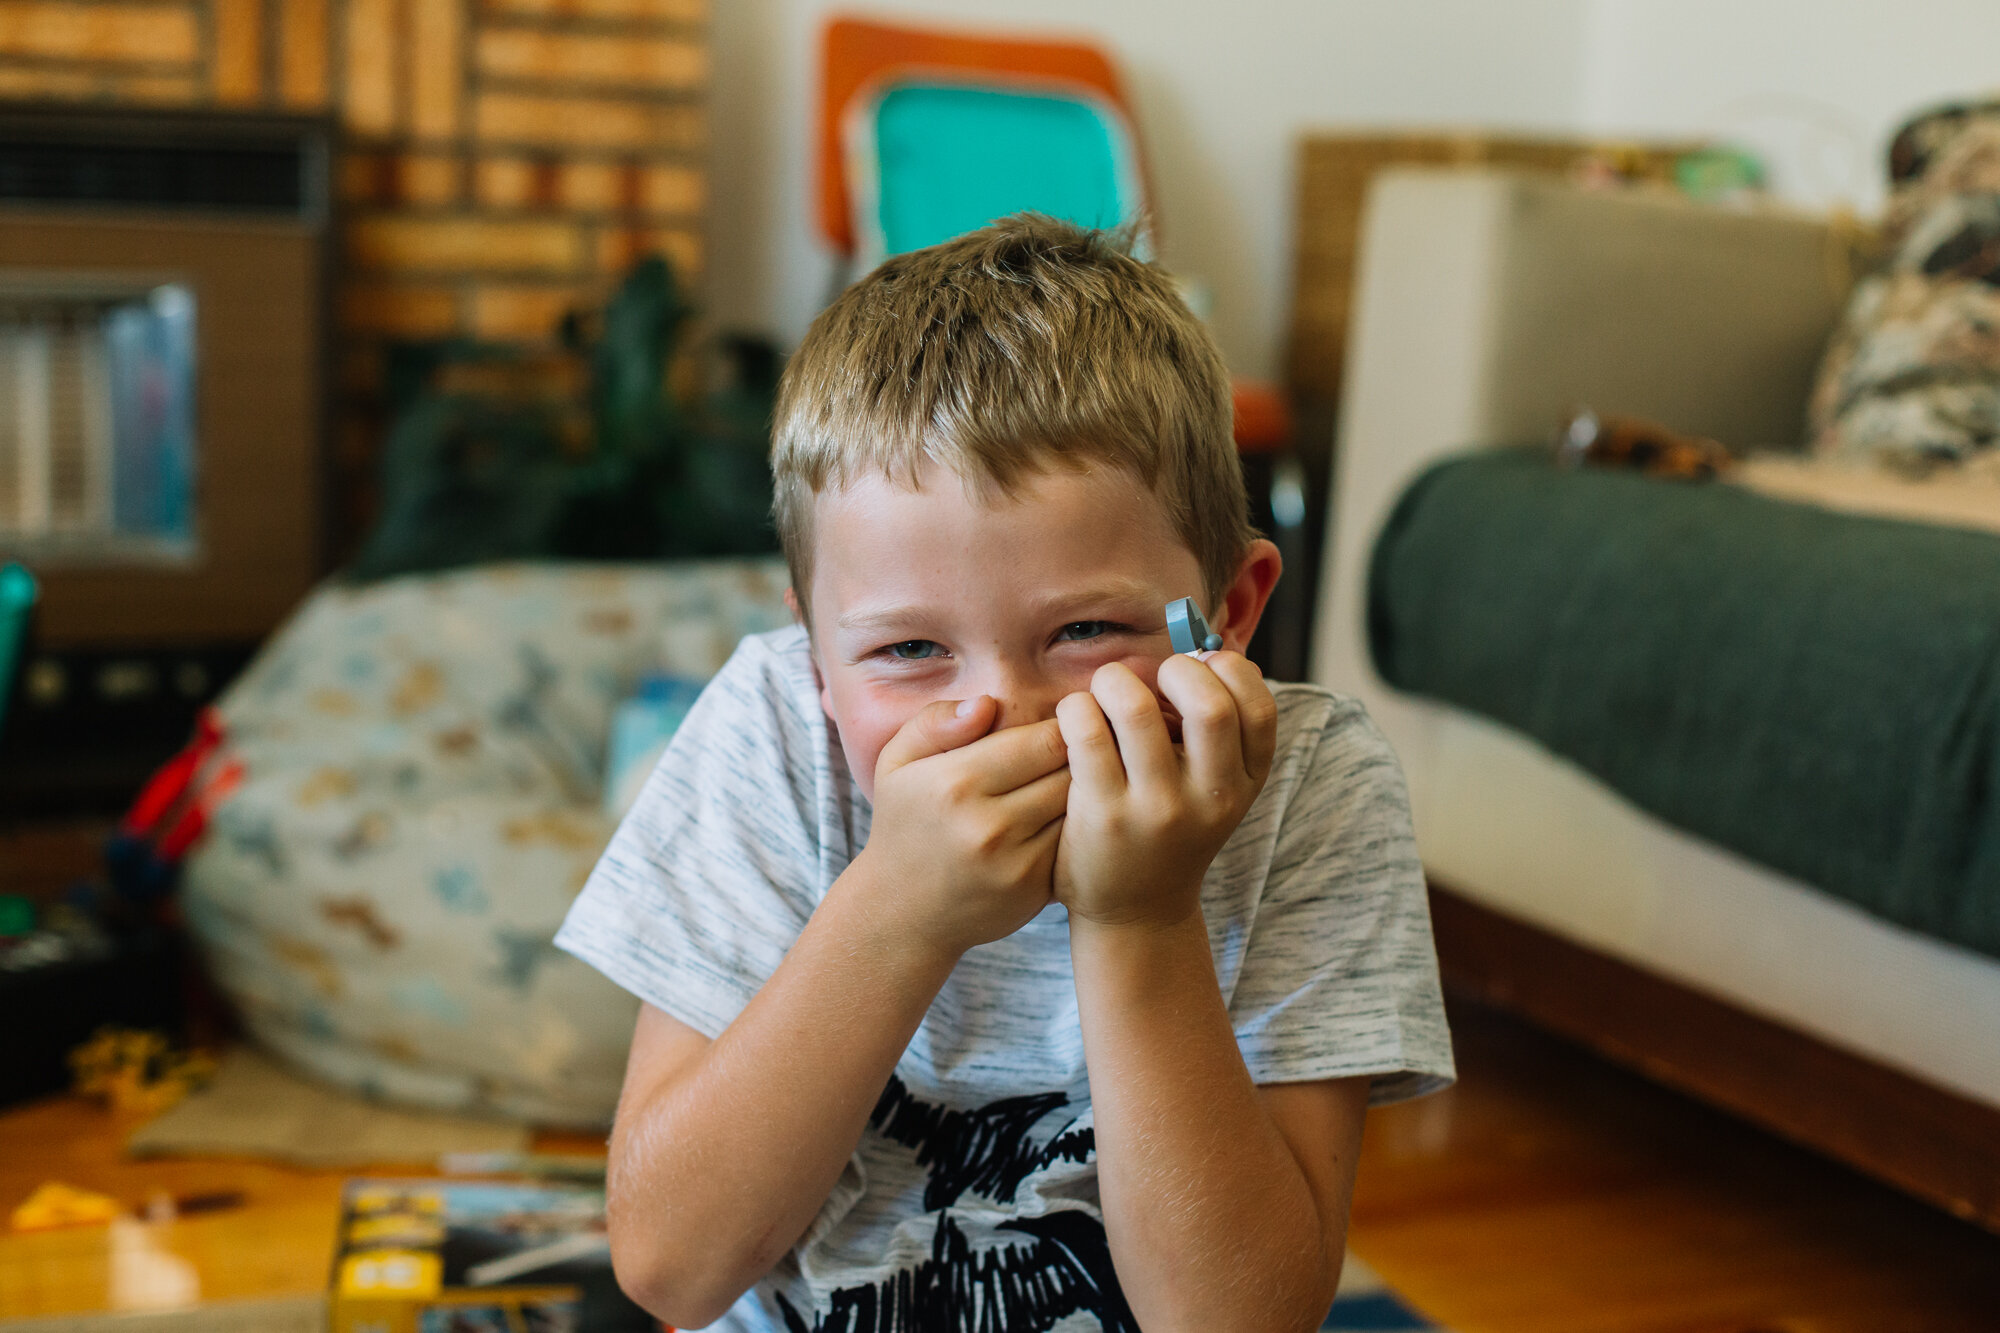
1817	691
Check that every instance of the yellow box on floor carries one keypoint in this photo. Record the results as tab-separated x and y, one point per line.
422	1254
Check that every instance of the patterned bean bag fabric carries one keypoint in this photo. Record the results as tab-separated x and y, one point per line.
1912	376
422	761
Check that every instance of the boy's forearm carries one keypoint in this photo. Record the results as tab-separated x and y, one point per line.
717	1171
1210	1219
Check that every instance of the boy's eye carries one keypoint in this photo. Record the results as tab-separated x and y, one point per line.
1083	629
914	650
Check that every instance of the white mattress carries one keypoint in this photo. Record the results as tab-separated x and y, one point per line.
1502	821
1962	497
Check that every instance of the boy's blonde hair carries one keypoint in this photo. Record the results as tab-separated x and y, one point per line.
1023	346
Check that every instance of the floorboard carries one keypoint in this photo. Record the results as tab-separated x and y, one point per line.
1550	1190
1547	1191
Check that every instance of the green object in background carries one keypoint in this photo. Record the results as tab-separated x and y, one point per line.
17	916
17	597
469	477
950	159
1711	174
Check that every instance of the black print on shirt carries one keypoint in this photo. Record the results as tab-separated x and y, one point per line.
1023	1289
986	1151
1028	1288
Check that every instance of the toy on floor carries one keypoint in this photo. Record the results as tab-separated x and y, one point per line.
133	1070
1188	631
144	853
54	1204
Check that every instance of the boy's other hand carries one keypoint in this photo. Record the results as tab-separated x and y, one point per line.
1145	816
966	823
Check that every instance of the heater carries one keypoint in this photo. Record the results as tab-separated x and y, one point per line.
163	297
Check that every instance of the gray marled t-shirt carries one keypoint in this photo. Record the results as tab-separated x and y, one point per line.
971	1200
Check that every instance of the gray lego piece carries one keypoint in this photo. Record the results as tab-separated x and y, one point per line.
1187	630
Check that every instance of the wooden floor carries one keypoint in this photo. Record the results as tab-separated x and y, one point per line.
1551	1191
1548	1191
278	1242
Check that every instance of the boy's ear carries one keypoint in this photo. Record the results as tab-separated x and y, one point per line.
1243	601
792	605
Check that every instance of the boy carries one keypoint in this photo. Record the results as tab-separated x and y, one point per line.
973	1000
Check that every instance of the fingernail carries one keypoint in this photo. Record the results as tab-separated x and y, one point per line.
1203	655
965	706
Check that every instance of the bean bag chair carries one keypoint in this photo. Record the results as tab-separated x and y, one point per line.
421	762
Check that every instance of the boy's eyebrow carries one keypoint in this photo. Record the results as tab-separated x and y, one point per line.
1116	591
894	617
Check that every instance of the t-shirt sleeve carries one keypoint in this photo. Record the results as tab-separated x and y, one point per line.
711	876
1339	975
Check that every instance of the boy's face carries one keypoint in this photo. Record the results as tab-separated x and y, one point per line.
935	593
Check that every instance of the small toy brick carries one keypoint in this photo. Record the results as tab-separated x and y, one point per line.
1188	631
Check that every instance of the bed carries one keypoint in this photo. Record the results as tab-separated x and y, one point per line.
1489	305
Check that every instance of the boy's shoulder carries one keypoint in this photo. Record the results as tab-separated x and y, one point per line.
1310	716
759	713
772	670
1329	755
1306	702
785	652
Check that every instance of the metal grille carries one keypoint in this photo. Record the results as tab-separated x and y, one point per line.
55	442
78	403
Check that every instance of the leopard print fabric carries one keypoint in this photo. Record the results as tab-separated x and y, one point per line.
1912	376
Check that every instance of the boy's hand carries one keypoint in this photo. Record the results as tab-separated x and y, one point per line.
1145	816
966	824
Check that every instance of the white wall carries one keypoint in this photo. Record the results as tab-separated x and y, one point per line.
1817	86
1222	92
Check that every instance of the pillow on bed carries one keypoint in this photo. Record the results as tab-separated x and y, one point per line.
1912	376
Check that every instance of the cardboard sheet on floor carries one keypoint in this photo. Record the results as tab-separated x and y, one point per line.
255	1107
283	1314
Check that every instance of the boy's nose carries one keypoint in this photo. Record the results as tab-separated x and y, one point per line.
1016	713
1024	697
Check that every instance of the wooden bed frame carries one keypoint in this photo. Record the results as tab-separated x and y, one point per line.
1934	1144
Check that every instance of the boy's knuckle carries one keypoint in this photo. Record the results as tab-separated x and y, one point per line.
1261	710
1210	714
1132	824
1054	752
1129	708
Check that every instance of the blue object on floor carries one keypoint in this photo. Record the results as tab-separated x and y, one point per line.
1378	1310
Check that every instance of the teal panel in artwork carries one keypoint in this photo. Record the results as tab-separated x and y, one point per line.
950	159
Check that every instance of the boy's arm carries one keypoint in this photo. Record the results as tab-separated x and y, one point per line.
1223	1208
1225	1204
723	1152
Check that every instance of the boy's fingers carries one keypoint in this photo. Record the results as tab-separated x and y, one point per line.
944	725
1015	757
1093	750
1210	727
1046	839
1256	710
1134	714
1033	806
